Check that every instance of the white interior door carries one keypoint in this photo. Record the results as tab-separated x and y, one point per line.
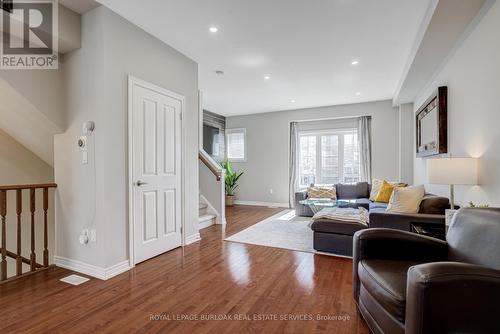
156	169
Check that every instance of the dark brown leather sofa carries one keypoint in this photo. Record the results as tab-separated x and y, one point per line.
408	283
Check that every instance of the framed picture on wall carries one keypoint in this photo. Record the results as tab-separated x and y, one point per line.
432	124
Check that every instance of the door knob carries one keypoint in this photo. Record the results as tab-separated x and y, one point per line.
140	183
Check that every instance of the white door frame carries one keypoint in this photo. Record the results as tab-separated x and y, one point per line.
139	82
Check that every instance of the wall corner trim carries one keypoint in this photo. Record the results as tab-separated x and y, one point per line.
91	270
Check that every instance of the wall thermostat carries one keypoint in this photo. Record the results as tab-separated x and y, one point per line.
88	127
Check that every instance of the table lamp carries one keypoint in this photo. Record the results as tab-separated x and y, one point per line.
452	171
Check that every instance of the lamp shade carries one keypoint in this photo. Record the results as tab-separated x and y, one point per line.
452	171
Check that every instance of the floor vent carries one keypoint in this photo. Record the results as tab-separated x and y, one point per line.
74	279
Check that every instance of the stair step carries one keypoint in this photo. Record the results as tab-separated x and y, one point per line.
206	217
206	220
202	209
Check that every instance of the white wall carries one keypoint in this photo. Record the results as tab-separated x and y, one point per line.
268	141
33	101
32	108
80	200
472	75
113	48
18	165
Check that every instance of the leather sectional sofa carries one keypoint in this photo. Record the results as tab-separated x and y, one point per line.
332	237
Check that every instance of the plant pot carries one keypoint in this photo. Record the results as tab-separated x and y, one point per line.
229	200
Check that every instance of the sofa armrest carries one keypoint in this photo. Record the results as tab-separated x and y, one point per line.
300	209
300	196
402	221
389	244
452	297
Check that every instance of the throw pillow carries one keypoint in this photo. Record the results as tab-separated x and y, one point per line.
434	205
406	200
322	192
352	190
377	184
385	192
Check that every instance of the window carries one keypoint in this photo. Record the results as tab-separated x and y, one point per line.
328	157
236	144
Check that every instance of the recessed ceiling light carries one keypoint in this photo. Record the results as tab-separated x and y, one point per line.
293	101
358	93
267	77
213	29
355	62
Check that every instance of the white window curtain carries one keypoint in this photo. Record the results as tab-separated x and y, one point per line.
294	180
365	147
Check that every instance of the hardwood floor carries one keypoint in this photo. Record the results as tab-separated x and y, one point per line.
175	292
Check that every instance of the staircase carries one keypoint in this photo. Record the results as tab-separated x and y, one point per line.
205	219
32	217
212	191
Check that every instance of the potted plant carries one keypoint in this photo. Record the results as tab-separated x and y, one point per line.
231	182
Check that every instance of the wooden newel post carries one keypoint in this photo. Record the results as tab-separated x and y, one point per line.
3	213
19	209
45	228
32	209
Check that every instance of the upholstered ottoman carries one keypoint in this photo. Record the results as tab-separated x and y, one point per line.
335	235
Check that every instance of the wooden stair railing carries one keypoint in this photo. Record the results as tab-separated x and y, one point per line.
20	259
207	163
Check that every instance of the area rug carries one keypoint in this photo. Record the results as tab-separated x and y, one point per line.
283	230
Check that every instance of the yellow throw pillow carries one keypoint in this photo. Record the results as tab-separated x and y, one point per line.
377	184
322	192
385	192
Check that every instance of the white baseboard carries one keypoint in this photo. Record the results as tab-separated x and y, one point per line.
79	266
91	270
117	269
256	203
192	239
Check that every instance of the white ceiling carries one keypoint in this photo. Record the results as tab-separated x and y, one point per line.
447	23
306	46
